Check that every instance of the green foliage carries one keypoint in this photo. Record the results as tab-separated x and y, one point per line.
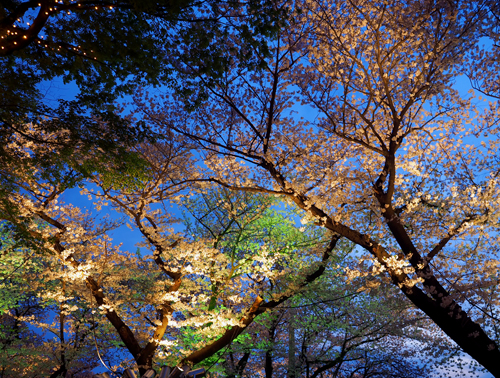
17	264
247	226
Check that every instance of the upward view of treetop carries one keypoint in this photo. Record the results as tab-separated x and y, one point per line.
109	47
314	187
105	49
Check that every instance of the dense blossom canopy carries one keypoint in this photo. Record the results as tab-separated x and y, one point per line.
353	114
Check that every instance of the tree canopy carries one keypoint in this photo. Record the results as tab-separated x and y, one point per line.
355	115
397	160
106	49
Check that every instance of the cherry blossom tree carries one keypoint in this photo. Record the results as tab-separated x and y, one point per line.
389	154
40	336
340	328
482	69
207	286
99	51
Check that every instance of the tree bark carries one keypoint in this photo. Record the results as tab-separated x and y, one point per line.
437	303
